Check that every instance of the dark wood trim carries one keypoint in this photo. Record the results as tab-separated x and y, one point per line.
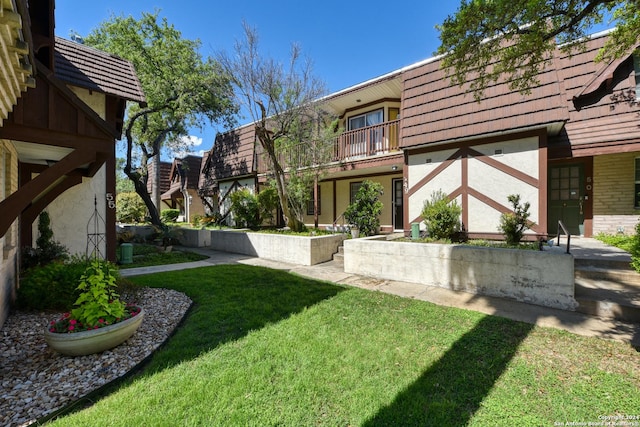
588	205
369	104
464	188
543	185
503	167
110	214
13	205
30	214
441	167
473	142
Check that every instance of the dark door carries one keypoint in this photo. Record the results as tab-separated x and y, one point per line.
398	205
566	198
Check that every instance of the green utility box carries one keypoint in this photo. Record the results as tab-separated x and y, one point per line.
415	230
126	253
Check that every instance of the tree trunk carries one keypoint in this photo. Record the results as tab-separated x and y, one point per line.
155	182
140	186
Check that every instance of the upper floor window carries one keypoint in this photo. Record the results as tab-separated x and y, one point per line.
367	119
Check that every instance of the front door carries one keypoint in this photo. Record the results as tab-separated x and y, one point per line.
566	198
398	205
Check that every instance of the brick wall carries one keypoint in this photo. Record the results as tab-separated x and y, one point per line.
8	242
613	193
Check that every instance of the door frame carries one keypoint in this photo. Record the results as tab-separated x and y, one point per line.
587	190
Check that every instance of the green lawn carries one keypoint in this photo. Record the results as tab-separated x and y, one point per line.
145	255
264	347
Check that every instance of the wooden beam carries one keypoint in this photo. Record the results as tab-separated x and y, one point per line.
17	202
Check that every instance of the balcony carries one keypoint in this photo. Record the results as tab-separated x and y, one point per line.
349	146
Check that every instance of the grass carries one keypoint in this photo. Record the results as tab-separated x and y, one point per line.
621	241
264	347
145	255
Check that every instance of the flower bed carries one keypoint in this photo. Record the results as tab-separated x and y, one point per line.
301	250
534	277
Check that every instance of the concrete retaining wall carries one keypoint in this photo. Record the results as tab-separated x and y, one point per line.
194	238
541	278
299	250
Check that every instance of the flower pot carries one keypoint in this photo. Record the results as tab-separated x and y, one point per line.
355	233
93	341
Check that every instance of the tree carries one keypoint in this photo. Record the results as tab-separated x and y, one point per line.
282	104
515	39
183	91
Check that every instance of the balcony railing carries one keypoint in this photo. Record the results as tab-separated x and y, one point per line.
368	141
348	146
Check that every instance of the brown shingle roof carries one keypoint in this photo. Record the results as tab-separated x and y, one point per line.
90	68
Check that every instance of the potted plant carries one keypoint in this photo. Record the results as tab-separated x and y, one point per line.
100	320
363	214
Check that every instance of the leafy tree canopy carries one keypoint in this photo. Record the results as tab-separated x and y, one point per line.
183	89
515	39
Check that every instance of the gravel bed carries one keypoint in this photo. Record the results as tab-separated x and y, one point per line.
36	381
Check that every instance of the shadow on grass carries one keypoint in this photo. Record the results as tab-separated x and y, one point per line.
229	302
453	388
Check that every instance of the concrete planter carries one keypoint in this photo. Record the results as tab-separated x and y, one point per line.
301	250
94	341
542	278
194	238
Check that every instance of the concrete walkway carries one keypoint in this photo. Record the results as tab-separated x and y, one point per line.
333	271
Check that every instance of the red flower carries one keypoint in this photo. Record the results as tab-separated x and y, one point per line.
101	320
71	327
73	321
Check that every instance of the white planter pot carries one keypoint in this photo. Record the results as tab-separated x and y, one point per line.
96	340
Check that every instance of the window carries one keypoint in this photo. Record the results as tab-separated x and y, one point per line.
364	120
310	203
636	195
353	190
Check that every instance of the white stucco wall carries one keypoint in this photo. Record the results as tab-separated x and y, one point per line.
519	154
73	209
225	205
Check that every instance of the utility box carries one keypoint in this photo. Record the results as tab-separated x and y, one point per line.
126	253
415	230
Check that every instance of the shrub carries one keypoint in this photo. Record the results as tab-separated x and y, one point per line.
635	249
441	216
51	286
130	208
268	202
98	301
514	224
245	209
47	250
169	215
364	212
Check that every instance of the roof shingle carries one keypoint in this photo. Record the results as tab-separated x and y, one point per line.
93	69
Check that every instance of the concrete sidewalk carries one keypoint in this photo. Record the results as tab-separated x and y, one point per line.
333	271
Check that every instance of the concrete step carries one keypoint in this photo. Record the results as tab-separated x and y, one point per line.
617	276
610	299
611	264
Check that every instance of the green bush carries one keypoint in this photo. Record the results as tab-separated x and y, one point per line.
51	286
364	212
441	216
514	224
169	215
245	208
634	249
130	208
47	250
268	203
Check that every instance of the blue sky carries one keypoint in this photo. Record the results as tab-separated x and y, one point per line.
348	41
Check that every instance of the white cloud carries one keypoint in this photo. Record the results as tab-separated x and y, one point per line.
188	145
